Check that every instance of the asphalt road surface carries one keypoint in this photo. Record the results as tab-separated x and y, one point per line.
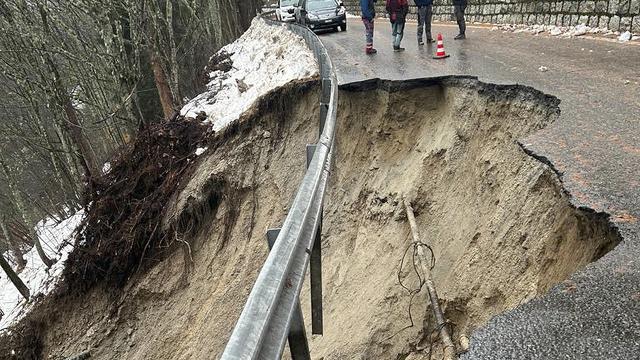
595	146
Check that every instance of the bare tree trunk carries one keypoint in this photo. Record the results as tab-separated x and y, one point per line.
166	97
15	246
88	157
175	78
22	212
15	279
72	125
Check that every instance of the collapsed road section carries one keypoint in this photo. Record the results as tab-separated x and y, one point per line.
500	225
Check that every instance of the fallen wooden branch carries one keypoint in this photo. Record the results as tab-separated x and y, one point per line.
441	324
15	279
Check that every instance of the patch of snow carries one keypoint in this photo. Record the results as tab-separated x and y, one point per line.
200	151
57	243
106	168
264	58
580	30
562	31
543	68
625	36
352	16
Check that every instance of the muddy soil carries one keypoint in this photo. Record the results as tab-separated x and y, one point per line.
501	227
187	304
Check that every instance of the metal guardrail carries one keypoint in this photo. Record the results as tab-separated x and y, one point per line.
266	320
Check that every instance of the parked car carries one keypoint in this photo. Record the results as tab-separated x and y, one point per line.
285	10
321	14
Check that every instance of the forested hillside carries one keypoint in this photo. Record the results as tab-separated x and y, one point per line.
79	78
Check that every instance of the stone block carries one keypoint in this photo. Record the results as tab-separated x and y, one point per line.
635	7
544	19
603	22
622	8
635	25
583	19
625	23
587	7
572	8
614	23
559	20
601	7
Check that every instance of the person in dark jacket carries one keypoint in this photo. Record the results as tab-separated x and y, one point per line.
368	10
425	12
459	6
397	10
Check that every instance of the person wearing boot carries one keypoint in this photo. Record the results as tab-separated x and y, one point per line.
368	11
425	12
459	6
397	10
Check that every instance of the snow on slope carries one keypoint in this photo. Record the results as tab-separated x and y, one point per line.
57	242
264	58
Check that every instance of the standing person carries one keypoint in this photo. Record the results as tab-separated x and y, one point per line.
459	6
397	10
425	12
368	10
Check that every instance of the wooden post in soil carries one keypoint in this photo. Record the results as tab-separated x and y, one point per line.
15	279
449	348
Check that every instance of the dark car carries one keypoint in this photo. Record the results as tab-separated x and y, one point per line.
321	14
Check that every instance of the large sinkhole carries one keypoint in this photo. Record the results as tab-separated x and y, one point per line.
501	227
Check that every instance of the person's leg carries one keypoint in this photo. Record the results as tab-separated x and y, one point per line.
428	16
421	21
398	32
394	33
459	13
463	26
368	31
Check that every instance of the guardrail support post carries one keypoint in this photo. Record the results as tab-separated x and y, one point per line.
298	343
325	98
317	322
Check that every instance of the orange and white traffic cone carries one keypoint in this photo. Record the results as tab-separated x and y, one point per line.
440	54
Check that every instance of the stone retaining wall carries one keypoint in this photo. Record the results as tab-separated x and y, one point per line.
616	15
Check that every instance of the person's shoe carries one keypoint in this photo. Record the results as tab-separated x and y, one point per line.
420	42
459	37
371	51
398	49
430	41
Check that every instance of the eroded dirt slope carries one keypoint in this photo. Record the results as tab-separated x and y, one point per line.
501	227
185	306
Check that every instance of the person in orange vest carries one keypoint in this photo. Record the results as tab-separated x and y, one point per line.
368	10
397	10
